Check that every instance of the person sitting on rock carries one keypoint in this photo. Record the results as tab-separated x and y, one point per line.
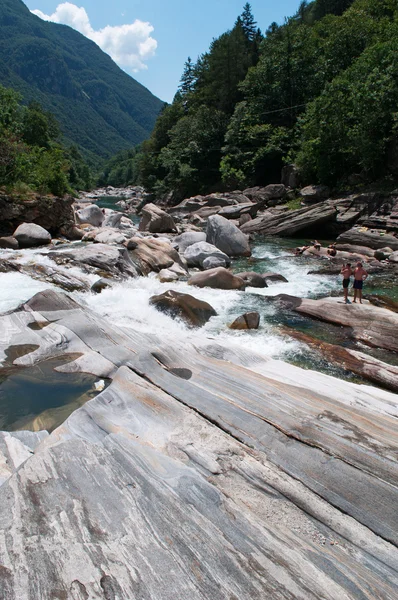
359	277
332	250
317	245
346	272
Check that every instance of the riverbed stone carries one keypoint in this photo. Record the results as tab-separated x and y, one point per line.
29	235
91	214
194	312
184	240
156	220
252	279
9	243
197	253
152	255
271	277
219	278
227	237
250	320
167	276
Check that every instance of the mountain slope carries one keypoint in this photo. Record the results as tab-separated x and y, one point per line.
98	105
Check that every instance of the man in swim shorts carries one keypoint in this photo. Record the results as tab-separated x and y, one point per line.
346	273
359	277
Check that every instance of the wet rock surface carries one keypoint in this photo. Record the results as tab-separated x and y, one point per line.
184	306
264	487
218	278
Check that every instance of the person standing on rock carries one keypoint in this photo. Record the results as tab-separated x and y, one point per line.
359	277
346	271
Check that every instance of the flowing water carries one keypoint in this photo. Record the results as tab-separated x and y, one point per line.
127	305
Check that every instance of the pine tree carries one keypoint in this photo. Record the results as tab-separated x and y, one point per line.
248	23
187	80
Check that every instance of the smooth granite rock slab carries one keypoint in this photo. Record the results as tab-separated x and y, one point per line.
200	472
137	496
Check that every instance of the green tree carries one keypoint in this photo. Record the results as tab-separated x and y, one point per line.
248	22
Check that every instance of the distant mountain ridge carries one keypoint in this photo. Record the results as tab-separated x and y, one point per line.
99	107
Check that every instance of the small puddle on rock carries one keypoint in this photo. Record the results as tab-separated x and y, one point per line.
38	397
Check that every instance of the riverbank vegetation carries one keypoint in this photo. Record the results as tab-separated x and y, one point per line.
32	156
321	90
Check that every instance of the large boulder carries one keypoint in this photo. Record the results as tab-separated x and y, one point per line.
361	236
250	320
151	254
189	238
289	222
315	193
227	237
156	220
91	214
196	254
184	306
219	278
29	235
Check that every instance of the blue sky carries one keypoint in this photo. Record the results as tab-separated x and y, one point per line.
181	28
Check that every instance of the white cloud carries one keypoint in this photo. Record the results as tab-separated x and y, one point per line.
129	45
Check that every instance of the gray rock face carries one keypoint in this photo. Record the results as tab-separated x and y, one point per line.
184	306
289	222
207	473
227	237
197	253
29	235
91	214
218	278
96	258
156	220
372	239
188	239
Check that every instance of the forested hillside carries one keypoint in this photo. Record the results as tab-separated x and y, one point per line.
32	156
321	90
99	107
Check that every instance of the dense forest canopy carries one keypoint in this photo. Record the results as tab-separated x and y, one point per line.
320	90
31	155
